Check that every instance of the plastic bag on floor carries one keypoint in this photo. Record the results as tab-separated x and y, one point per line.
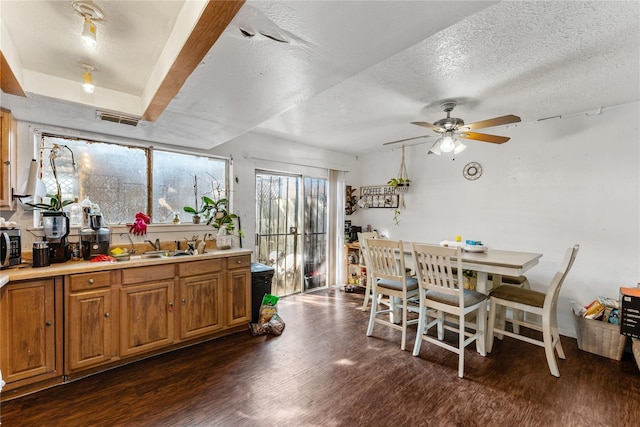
269	322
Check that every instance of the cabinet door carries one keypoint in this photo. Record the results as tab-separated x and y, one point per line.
238	297
200	305
8	165
89	329
146	317
31	331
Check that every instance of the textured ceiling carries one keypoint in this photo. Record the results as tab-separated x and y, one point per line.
351	76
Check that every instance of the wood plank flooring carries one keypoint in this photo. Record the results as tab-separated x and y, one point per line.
324	371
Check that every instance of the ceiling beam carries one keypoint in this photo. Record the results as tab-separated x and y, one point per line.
8	81
215	18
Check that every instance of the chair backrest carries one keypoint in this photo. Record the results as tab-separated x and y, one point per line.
551	299
385	259
435	266
362	238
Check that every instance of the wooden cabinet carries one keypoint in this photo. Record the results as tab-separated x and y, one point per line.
31	332
238	290
108	318
8	159
89	320
146	309
201	299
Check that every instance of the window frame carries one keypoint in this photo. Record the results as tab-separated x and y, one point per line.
40	154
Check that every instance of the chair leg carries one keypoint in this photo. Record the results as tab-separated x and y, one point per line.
481	329
556	336
422	321
492	321
441	325
404	324
367	291
461	338
519	315
547	337
372	315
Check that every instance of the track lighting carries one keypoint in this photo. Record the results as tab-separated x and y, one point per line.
87	79
90	12
89	33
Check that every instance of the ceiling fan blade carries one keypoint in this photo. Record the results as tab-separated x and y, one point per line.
407	139
496	121
428	126
484	137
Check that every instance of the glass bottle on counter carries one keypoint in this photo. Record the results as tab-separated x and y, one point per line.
75	214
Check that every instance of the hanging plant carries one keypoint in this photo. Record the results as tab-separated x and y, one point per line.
402	182
400	185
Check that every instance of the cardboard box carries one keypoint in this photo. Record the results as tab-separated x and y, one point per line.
630	312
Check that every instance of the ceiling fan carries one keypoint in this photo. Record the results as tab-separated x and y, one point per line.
452	128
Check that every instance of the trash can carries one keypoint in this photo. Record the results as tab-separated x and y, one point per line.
261	277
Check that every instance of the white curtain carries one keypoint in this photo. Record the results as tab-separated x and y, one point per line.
336	227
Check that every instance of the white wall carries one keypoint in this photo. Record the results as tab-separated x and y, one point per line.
557	182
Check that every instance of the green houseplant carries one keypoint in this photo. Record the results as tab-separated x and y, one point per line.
55	205
201	210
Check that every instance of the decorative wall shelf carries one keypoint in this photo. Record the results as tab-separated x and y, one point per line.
380	196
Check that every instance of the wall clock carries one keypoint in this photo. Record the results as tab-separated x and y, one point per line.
472	171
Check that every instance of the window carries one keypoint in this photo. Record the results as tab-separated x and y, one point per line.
117	178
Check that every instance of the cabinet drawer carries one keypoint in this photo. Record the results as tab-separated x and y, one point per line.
81	282
240	261
194	268
148	274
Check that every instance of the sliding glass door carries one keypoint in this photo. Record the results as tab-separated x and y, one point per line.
297	254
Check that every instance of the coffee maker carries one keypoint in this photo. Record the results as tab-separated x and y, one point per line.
56	229
95	237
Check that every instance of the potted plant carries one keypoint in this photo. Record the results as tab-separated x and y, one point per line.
55	205
204	207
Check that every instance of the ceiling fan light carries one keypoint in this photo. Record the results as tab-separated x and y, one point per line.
89	33
448	142
460	147
87	82
435	149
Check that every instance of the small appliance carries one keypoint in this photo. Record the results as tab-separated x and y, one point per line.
95	238
10	243
40	254
353	232
56	230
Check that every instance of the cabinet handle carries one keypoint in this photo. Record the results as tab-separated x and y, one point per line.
239	261
49	323
184	300
91	281
107	315
171	306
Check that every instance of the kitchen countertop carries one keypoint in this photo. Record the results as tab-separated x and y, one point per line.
13	274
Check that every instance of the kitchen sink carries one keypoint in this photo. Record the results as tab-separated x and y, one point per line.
164	254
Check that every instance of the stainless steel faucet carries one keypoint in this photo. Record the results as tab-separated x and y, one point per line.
155	245
133	247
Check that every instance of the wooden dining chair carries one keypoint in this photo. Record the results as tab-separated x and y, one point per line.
534	302
443	291
362	238
385	261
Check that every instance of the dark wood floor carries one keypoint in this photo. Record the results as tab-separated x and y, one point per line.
324	371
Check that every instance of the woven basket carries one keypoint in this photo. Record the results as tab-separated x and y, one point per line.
598	337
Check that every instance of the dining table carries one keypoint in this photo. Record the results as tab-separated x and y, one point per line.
496	262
